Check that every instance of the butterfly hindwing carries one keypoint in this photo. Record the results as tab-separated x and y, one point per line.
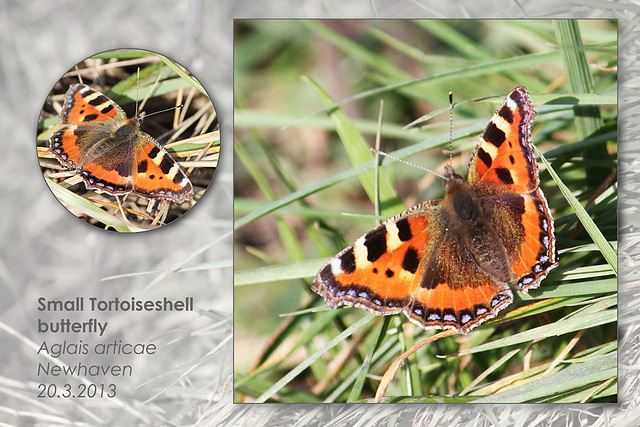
156	174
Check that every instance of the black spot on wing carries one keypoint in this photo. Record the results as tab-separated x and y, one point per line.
484	157
177	179
107	109
404	230
494	135
326	275
142	166
411	261
166	164
506	113
348	261
376	243
504	175
154	152
124	168
97	101
516	204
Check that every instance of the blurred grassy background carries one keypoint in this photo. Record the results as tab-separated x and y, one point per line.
374	60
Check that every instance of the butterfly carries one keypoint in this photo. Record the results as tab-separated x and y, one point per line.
449	263
110	152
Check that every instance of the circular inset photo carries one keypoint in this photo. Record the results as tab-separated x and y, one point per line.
128	140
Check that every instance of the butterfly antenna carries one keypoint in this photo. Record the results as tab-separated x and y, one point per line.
382	153
162	111
378	133
451	128
150	92
137	86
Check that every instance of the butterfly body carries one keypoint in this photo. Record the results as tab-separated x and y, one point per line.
111	153
449	263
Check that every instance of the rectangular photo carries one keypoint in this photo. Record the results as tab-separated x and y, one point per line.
425	211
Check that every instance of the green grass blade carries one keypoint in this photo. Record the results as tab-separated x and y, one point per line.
286	231
273	273
358	385
597	370
488	67
356	50
560	327
80	205
359	152
308	361
587	118
608	252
